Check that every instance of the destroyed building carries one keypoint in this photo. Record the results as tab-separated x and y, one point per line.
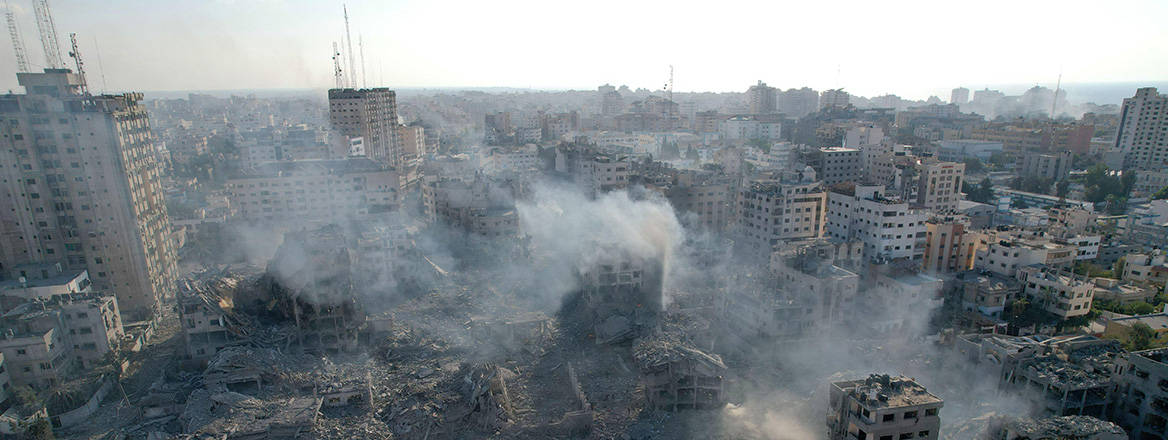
1062	375
1056	428
882	407
678	376
624	294
1141	395
482	207
205	310
809	276
310	279
231	416
46	341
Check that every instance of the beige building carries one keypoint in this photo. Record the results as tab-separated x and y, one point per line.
1141	400
1058	294
946	248
882	407
83	173
772	211
316	191
413	140
939	185
1142	130
370	114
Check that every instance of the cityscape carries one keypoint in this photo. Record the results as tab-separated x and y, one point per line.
348	257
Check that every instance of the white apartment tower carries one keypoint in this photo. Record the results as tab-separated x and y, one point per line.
1143	130
80	185
887	226
370	114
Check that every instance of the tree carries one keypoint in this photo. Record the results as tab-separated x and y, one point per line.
974	165
1161	194
982	192
1062	188
1140	337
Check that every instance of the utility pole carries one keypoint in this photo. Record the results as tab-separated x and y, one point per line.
361	49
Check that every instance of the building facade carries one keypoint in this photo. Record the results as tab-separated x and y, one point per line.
83	172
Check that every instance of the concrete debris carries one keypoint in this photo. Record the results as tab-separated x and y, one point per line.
1056	428
677	375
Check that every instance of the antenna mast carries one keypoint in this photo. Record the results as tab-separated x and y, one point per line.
48	31
17	41
361	48
349	52
1054	101
337	75
669	85
76	54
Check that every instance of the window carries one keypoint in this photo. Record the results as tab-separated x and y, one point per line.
923	434
930	412
910	414
888	418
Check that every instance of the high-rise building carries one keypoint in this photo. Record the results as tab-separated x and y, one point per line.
887	226
81	188
834	98
798	103
959	96
1143	130
370	114
939	186
761	99
773	211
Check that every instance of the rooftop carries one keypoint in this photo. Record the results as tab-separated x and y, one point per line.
884	391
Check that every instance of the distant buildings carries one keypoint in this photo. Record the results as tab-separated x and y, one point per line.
959	96
797	103
761	99
834	98
84	186
319	191
1052	166
745	128
882	407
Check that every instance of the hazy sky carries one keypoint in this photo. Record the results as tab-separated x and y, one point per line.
910	48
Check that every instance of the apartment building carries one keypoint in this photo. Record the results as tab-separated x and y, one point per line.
887	226
841	165
316	191
1141	397
771	211
882	407
1056	293
939	184
703	199
482	207
810	278
370	114
946	249
750	127
1006	252
1054	166
1143	130
761	99
84	181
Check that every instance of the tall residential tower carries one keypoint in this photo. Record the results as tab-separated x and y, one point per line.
80	187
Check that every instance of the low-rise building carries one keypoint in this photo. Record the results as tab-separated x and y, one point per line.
1059	294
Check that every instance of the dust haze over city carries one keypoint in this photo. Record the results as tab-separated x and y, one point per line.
611	220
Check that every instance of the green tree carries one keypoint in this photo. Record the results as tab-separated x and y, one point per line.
1062	188
1141	337
974	165
1161	194
981	192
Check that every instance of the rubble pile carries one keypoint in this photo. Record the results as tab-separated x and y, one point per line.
676	375
1058	428
238	416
